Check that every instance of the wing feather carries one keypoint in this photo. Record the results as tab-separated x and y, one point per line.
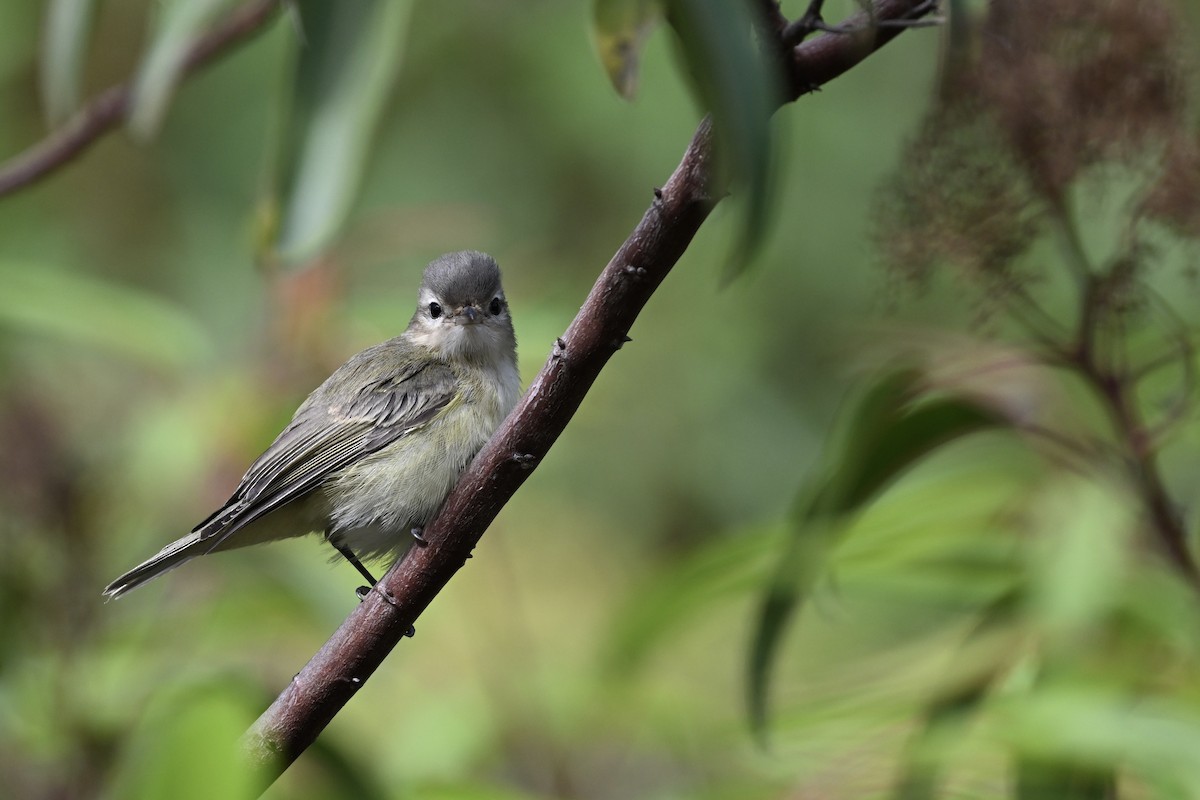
327	435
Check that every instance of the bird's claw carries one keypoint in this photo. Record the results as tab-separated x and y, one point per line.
363	591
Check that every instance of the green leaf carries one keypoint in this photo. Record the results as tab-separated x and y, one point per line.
1039	780
1083	541
921	767
726	568
620	29
797	573
960	45
344	70
1069	733
178	24
892	428
80	309
956	706
736	83
187	744
345	775
889	445
68	25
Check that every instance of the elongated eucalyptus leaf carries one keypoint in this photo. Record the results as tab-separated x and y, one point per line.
872	464
960	41
891	429
950	713
186	746
725	569
801	565
344	772
346	65
1068	733
178	24
737	85
65	34
620	29
82	310
921	769
1039	780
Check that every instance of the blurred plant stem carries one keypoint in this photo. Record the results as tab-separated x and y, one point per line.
1024	144
1115	386
1112	381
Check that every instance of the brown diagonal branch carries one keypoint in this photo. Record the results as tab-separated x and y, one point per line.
359	646
108	109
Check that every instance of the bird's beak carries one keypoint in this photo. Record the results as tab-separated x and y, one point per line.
468	315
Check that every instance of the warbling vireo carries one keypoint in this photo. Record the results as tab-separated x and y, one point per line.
372	453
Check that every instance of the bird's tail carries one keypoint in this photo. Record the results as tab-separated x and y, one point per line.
166	559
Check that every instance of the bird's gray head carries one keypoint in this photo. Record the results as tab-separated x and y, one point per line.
461	309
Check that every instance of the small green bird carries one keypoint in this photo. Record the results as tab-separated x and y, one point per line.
369	457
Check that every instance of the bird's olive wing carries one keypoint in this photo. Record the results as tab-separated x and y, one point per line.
329	433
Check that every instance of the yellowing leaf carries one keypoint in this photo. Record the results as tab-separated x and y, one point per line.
620	29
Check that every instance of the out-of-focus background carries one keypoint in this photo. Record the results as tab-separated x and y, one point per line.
596	647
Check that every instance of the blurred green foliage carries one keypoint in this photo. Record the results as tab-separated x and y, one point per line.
984	612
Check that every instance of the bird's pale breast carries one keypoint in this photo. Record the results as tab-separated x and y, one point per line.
376	502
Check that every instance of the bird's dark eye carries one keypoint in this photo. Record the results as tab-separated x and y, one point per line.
495	306
435	310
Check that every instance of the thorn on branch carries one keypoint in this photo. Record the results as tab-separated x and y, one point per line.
524	461
619	343
701	196
363	591
659	202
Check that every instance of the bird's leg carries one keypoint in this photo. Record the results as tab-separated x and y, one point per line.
418	535
348	554
363	591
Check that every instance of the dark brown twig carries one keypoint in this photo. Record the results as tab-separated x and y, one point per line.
1116	388
812	21
773	17
806	25
359	646
1141	461
1117	394
1185	355
109	108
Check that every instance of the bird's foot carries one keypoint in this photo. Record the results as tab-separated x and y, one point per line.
387	596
